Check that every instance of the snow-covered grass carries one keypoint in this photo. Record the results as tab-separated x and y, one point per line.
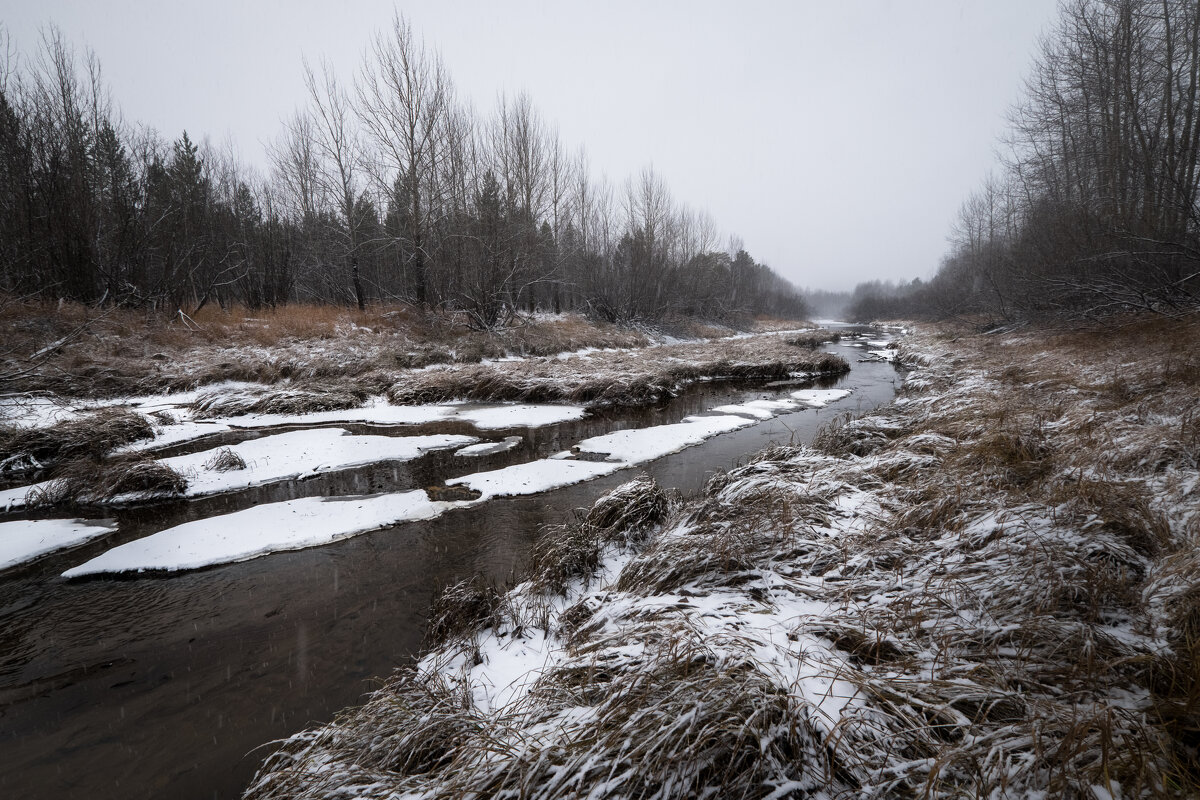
990	588
623	377
27	448
130	353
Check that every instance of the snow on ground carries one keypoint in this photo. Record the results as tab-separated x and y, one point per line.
300	454
180	432
261	530
34	412
283	456
14	498
519	415
819	398
886	355
490	448
534	476
646	444
27	539
377	413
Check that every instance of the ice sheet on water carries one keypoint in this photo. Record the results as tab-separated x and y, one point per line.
819	398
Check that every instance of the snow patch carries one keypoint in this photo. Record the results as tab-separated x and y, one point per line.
637	446
28	539
819	398
299	454
258	531
533	477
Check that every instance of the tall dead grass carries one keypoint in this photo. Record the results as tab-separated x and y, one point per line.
129	478
92	435
635	377
115	352
987	589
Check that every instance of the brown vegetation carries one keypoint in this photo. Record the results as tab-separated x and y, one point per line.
118	352
92	435
999	572
615	378
128	478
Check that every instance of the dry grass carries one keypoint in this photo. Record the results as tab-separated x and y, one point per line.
572	553
92	435
812	340
225	460
275	400
995	578
635	377
462	608
116	352
125	478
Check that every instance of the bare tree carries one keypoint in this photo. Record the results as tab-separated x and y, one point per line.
404	95
338	160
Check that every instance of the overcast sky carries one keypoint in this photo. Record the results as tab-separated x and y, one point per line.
836	138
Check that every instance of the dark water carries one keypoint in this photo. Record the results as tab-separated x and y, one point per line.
171	686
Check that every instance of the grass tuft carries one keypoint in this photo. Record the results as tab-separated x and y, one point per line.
128	478
232	403
225	460
92	435
462	608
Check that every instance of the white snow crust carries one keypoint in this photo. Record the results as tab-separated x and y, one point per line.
299	454
638	446
819	398
489	448
260	530
27	539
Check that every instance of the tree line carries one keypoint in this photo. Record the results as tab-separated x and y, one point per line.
386	188
1093	209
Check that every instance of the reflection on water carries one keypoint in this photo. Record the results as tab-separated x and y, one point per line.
147	687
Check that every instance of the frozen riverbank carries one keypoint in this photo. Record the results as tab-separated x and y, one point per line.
976	591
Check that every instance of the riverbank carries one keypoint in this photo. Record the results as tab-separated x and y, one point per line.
988	588
172	681
76	351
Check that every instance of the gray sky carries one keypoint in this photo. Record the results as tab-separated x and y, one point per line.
836	138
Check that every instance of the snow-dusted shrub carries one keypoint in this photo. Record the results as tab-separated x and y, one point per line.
262	400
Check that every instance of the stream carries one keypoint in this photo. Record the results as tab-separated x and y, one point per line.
144	687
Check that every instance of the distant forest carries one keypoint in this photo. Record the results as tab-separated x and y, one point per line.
1094	208
386	188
